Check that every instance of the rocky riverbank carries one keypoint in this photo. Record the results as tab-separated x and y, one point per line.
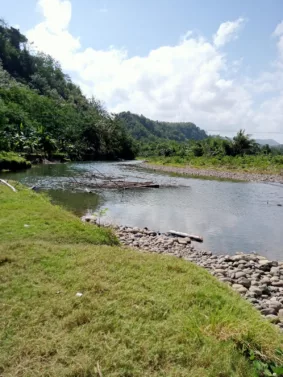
254	277
230	175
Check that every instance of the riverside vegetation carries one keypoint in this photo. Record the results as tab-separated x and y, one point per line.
75	303
12	161
184	144
43	114
241	154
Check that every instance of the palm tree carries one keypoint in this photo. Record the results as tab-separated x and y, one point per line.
243	144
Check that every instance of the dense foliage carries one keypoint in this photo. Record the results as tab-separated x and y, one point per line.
145	130
212	146
43	112
240	153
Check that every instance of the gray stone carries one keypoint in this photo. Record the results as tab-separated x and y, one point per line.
268	311
240	274
255	290
275	270
274	278
239	288
135	230
275	304
265	280
264	265
245	282
182	241
277	283
273	318
235	258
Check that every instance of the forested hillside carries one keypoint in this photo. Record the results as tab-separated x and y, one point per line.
144	129
43	112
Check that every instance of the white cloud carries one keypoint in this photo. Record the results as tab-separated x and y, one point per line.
52	35
278	30
227	32
190	81
57	14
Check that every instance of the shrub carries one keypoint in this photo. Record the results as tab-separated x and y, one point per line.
12	161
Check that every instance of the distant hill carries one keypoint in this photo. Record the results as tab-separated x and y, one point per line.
270	142
144	129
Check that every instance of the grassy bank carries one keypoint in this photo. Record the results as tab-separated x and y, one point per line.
139	315
243	164
12	161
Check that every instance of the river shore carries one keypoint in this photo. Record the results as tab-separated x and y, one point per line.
211	173
254	277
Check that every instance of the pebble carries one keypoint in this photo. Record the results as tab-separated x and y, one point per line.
254	277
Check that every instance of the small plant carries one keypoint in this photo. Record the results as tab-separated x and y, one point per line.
266	368
99	214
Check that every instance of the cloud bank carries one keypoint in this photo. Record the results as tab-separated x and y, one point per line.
190	81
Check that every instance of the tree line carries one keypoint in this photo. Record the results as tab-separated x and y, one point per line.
212	146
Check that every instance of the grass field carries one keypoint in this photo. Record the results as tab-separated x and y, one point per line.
139	314
244	164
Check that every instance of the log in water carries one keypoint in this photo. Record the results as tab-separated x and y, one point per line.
191	236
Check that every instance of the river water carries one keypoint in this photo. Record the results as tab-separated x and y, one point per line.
230	216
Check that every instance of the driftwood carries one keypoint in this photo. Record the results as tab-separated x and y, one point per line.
8	184
191	236
98	180
121	185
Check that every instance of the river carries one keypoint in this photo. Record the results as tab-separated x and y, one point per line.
230	216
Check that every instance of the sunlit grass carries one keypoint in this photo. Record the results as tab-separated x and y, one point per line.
12	161
139	315
243	164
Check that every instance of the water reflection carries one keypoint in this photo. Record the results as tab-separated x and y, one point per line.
77	202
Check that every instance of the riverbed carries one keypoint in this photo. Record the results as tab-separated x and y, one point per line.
230	216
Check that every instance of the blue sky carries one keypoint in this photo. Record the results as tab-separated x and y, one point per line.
225	74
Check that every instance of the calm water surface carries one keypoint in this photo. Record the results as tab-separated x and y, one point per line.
230	216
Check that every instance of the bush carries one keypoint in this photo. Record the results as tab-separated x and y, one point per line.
12	161
60	156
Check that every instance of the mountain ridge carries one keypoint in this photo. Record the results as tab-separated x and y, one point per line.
145	129
270	142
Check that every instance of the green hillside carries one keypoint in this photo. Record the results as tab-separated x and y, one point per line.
42	112
144	129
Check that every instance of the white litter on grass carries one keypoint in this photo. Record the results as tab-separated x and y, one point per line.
79	294
26	226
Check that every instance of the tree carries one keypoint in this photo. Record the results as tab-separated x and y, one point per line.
243	144
43	111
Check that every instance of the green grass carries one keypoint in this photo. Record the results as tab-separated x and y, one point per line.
140	314
244	164
12	161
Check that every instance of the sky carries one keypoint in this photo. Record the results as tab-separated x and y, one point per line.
218	64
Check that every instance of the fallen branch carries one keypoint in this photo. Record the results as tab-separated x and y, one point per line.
8	184
191	236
